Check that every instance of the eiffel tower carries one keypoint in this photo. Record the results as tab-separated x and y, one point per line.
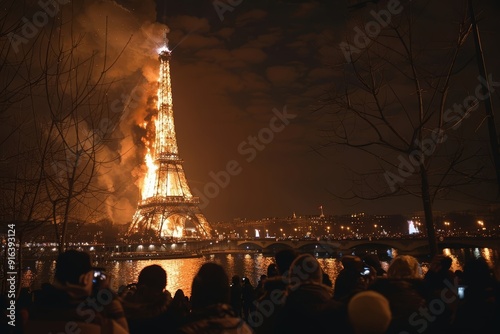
167	209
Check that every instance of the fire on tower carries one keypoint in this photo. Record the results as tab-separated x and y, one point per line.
167	209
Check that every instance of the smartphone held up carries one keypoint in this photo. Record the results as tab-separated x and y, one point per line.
99	276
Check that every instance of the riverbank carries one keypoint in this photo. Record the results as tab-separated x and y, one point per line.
132	256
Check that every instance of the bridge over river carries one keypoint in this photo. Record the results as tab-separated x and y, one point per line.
195	248
335	246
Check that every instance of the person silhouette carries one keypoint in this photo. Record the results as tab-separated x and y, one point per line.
146	304
77	299
211	312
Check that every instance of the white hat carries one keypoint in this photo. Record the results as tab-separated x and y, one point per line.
369	313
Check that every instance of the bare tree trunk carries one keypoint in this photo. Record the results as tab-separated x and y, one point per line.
495	148
67	205
429	219
392	108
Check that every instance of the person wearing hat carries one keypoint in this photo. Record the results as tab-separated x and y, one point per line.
75	302
369	313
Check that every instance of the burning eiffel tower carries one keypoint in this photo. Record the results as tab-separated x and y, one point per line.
167	209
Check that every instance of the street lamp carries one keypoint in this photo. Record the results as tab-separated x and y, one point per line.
447	227
481	223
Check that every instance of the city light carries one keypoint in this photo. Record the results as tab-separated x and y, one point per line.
412	227
481	223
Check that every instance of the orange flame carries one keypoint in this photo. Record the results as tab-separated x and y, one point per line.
148	188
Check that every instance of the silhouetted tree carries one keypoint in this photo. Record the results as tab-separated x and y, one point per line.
56	86
403	105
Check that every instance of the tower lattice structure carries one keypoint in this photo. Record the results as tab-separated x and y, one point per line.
167	209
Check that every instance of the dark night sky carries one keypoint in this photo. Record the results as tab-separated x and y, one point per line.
227	78
264	55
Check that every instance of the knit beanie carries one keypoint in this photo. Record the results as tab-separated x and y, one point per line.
369	313
305	268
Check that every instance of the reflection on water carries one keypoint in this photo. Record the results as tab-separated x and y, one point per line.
486	253
455	265
180	272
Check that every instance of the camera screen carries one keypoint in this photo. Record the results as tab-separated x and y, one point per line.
98	276
461	290
365	271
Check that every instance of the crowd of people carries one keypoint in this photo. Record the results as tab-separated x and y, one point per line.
293	296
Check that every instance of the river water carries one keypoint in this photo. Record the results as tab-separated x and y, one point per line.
180	272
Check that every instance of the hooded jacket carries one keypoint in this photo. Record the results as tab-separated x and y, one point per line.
215	319
63	303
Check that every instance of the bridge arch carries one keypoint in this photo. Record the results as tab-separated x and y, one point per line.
273	245
402	245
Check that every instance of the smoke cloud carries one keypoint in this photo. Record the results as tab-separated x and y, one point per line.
118	38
